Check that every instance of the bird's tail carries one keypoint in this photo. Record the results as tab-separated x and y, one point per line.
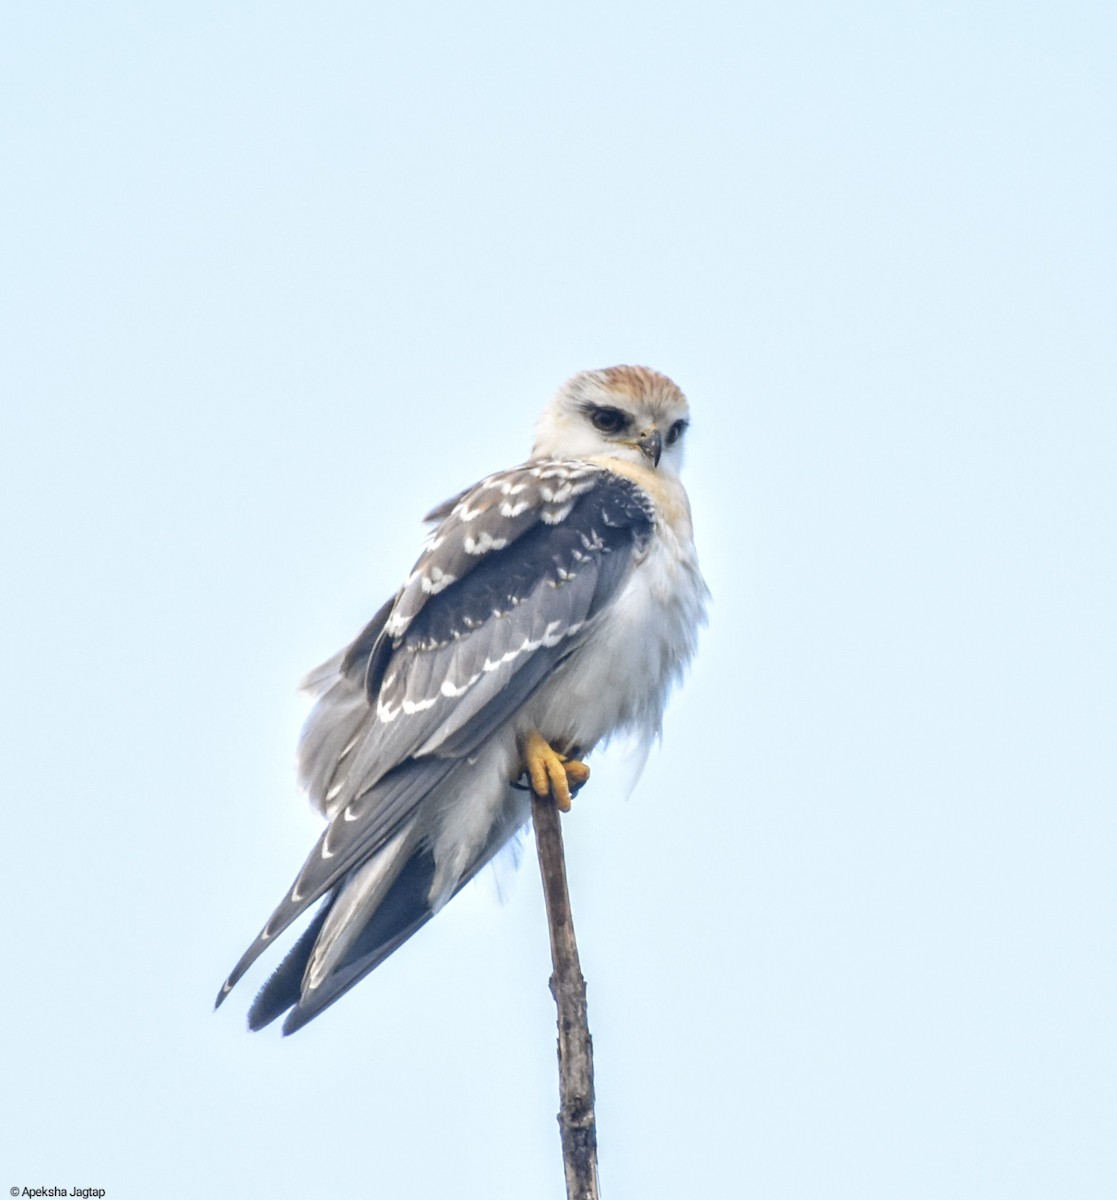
403	910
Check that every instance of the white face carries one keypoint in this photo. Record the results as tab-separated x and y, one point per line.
630	413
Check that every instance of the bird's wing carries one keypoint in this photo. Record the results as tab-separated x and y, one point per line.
505	588
507	582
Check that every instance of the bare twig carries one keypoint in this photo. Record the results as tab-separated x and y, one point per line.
575	1047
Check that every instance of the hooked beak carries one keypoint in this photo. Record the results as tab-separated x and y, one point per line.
651	446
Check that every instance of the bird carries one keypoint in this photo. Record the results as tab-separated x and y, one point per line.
554	605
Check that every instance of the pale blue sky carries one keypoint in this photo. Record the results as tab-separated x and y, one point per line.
278	278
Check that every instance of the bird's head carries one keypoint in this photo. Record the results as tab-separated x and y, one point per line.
631	413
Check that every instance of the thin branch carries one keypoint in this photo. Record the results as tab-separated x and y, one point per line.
576	1119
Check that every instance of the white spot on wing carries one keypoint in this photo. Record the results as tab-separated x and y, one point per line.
436	579
554	633
484	543
451	691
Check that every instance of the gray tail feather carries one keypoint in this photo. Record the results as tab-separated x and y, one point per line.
403	911
285	982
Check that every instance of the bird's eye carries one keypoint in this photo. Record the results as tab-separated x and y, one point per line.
608	420
675	432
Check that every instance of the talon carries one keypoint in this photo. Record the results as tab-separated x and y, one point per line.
576	773
550	773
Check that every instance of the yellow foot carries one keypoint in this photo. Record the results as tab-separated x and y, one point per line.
552	774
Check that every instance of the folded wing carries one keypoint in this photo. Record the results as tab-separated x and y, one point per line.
507	586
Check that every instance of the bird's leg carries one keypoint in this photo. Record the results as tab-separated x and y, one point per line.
550	773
